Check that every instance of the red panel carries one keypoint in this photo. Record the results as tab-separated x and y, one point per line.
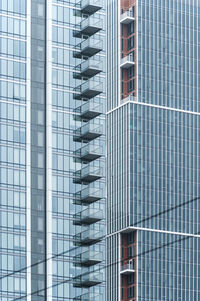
124	260
127	5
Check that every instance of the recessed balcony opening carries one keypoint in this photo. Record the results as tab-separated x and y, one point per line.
127	17
127	61
128	268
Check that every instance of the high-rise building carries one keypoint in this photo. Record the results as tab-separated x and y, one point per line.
52	150
153	150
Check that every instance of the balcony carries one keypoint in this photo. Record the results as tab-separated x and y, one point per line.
89	47
129	98
88	258
90	109
88	132
88	196
88	237
88	68
127	17
89	27
128	268
127	61
88	280
89	152
89	296
88	216
89	89
90	7
88	174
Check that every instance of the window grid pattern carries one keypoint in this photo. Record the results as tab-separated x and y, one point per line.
12	149
168	60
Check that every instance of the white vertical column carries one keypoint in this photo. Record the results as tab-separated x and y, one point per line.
28	151
119	52
119	265
49	148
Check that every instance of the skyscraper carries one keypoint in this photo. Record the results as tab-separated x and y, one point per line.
52	150
153	149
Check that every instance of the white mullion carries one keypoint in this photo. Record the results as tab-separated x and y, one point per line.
28	152
49	148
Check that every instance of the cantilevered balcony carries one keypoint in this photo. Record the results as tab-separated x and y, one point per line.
90	109
127	17
88	68
88	237
89	27
128	268
127	61
88	280
88	174
90	6
88	258
88	216
89	47
90	296
89	152
88	196
88	132
89	89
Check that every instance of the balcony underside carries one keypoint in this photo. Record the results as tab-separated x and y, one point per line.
90	8
87	31
89	178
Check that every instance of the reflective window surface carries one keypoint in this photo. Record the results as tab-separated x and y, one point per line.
12	149
168	59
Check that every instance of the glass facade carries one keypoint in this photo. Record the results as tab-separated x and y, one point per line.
52	142
153	157
168	62
13	149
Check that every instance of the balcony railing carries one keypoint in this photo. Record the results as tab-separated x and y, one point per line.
89	89
88	132
88	237
90	296
88	258
88	68
127	17
129	98
90	109
89	47
88	174
90	6
127	61
89	152
88	280
128	268
89	27
88	216
88	195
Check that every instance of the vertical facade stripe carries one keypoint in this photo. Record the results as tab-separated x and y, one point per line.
28	151
49	148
